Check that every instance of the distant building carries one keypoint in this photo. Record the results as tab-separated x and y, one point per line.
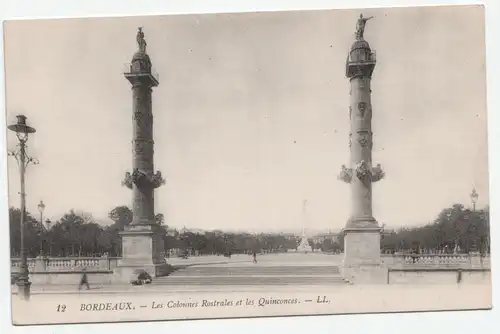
171	232
289	236
192	230
320	238
218	233
388	232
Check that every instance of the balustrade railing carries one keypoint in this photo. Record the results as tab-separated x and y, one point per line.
51	264
438	260
67	263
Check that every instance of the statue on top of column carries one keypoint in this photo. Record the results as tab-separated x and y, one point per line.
360	26
141	42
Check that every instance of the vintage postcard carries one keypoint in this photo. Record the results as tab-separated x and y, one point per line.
247	164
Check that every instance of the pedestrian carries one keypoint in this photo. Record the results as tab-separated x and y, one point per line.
84	280
254	257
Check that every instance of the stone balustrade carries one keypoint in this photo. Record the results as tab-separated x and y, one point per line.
444	261
437	260
64	264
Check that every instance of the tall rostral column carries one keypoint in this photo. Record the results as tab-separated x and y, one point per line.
362	232
142	240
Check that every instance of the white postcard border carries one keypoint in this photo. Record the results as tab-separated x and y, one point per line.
434	322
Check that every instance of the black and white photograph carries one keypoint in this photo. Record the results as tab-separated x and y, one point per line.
259	164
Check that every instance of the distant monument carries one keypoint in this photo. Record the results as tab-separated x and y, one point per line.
362	261
304	245
142	240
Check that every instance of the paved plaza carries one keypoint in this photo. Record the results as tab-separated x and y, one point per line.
272	272
219	273
281	259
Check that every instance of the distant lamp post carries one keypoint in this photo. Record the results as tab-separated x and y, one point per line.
474	196
22	131
41	207
48	223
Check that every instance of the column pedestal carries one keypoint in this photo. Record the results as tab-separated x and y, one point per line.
40	264
142	250
476	260
362	262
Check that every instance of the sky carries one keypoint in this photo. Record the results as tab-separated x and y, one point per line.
251	114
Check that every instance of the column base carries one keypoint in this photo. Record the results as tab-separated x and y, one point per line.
365	274
143	250
476	260
126	272
362	262
363	222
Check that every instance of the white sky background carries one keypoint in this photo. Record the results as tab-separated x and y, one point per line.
251	115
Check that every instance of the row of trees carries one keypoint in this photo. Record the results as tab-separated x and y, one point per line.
78	234
74	234
237	243
455	228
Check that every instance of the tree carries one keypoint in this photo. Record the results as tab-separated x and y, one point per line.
454	226
159	219
327	245
121	215
75	234
32	233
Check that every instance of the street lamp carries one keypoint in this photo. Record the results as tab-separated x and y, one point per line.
22	131
48	223
41	207
474	196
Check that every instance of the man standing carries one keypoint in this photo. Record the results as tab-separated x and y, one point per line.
84	280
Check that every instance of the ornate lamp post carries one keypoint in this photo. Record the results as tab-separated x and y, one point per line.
41	207
473	196
22	131
48	223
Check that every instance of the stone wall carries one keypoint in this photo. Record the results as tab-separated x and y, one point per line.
437	276
62	264
72	278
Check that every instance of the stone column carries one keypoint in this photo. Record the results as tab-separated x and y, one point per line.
361	150
362	261
142	240
143	152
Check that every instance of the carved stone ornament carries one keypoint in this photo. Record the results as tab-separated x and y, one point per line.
345	174
362	108
362	171
137	116
157	180
127	182
143	179
363	140
377	173
139	146
138	177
